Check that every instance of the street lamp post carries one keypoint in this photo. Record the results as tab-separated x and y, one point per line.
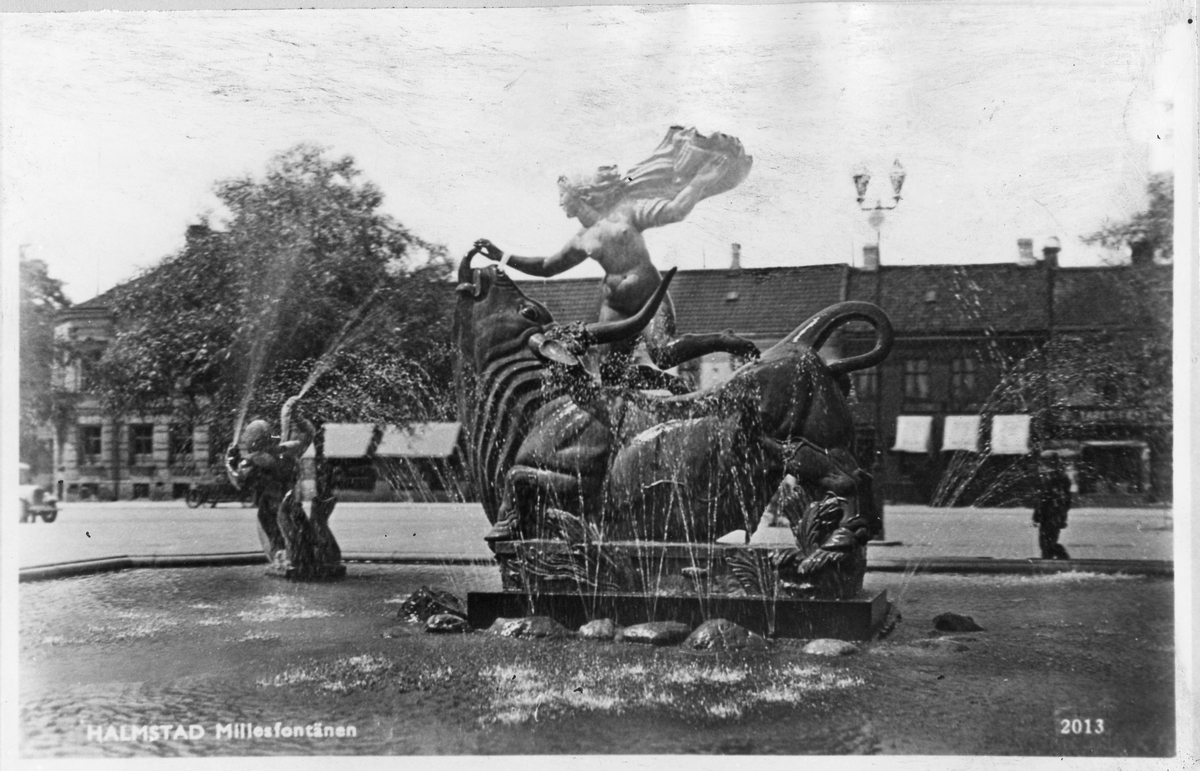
861	181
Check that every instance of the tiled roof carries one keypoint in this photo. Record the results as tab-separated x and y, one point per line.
760	302
933	299
1112	297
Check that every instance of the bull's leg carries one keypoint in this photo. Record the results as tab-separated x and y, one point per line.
692	346
528	491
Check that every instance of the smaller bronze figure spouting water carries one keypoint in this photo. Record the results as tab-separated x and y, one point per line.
298	545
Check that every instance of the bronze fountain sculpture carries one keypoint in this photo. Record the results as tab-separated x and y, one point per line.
599	489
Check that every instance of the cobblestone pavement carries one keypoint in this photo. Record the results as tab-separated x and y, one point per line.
86	531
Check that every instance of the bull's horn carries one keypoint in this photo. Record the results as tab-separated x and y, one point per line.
464	268
814	332
612	331
468	280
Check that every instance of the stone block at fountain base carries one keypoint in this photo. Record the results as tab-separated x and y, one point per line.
859	618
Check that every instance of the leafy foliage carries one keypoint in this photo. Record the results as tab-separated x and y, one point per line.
1153	226
41	299
308	288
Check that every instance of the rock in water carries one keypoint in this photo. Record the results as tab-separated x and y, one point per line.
533	626
600	629
943	644
827	647
718	634
429	601
505	627
444	623
952	622
657	632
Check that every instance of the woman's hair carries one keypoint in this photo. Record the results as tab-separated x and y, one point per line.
601	190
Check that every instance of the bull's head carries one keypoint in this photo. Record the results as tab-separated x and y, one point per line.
494	314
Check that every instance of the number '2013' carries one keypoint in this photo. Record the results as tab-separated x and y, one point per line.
1078	726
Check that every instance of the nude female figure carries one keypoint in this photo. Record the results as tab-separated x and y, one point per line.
614	210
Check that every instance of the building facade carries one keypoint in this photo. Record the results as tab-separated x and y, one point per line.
957	415
967	402
97	457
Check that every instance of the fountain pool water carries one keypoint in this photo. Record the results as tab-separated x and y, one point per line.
217	647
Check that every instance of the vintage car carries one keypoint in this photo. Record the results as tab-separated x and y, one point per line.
217	489
36	501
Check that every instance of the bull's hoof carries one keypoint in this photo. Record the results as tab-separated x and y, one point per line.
502	531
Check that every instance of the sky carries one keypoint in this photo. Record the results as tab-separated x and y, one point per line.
1011	121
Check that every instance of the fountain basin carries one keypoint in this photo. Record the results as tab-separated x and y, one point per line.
223	646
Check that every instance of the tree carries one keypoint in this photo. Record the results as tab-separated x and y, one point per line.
1151	229
309	287
41	404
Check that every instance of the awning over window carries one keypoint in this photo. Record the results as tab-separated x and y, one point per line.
912	433
345	440
417	440
1010	434
961	433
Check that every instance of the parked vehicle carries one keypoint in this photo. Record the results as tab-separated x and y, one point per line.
218	490
36	501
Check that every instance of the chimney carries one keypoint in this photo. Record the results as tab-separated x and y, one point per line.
871	257
196	233
1025	252
1141	251
735	259
1050	252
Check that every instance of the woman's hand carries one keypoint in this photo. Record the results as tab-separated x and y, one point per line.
487	249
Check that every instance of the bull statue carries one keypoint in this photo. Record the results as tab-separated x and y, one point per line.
557	452
529	445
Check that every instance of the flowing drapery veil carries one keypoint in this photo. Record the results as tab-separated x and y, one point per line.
676	160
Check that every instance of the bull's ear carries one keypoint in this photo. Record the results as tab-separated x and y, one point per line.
553	350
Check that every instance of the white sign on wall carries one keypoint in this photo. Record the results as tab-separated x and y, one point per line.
912	433
961	433
1010	434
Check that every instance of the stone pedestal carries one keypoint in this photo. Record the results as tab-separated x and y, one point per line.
635	582
859	618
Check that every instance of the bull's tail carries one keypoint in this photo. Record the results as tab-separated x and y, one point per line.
817	330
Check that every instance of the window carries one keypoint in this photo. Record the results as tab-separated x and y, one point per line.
963	380
89	445
916	379
141	444
89	361
180	447
866	383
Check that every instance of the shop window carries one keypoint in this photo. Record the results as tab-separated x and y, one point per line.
141	444
916	379
141	490
89	445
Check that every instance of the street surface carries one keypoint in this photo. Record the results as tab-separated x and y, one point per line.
87	531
